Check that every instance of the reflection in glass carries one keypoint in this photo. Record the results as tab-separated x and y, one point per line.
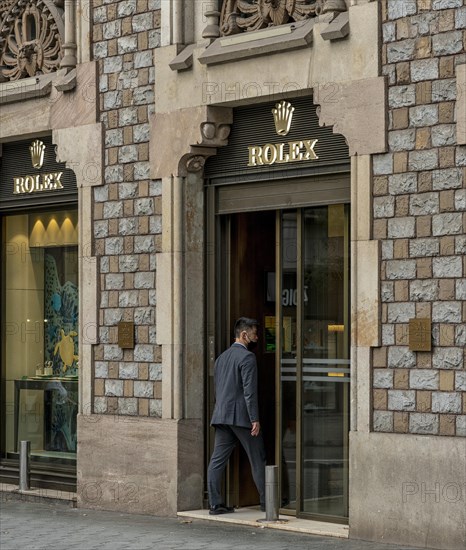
40	343
325	361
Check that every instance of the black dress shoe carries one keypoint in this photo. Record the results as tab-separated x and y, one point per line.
218	509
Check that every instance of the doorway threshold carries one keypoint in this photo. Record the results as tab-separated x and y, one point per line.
249	516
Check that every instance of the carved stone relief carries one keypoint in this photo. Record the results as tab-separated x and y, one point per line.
31	37
251	15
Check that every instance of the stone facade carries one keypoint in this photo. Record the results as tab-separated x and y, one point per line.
419	215
127	208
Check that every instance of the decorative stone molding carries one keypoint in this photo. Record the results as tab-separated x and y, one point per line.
355	109
31	36
251	15
182	141
81	149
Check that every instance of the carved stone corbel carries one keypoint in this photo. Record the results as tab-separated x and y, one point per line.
181	141
357	110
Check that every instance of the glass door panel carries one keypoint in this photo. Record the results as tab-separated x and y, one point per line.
326	365
288	359
314	362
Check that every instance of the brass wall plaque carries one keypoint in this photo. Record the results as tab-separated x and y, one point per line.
420	334
126	334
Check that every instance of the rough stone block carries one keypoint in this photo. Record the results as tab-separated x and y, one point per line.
143	95
143	22
143	59
384	207
383	421
400	228
460	18
388	335
402	96
447	224
447	43
401	400
423	115
446	4
423	290
100	50
112	29
460	200
403	50
397	9
144	279
447	179
128	371
128	298
128	116
423	247
144	353
154	40
444	90
127	406
101	369
141	133
402	140
128	264
424	69
423	423
460	381
424	204
401	184
114	281
387	293
460	293
387	250
446	402
423	160
127	153
449	266
400	312
113	388
383	378
424	379
155	371
447	358
443	135
127	44
400	357
401	269
141	171
143	389
126	8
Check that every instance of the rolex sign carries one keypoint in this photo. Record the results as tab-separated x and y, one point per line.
29	173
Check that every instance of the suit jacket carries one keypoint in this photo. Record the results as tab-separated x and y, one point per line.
235	378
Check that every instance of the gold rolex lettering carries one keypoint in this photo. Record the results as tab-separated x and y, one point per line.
310	154
36	183
270	154
281	153
255	156
282	156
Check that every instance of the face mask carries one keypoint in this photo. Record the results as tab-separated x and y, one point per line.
252	345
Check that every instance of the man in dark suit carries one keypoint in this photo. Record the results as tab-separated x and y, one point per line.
236	414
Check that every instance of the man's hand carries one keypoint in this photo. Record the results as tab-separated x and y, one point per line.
256	428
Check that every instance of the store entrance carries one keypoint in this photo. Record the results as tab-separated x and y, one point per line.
302	256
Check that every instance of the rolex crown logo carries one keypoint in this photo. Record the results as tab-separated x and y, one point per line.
37	150
283	115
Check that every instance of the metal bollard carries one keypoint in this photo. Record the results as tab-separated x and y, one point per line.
271	493
24	473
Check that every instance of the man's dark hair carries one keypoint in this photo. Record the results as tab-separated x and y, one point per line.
244	323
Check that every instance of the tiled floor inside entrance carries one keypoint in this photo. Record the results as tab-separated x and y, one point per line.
249	516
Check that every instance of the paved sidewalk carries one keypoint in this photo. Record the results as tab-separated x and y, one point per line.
31	526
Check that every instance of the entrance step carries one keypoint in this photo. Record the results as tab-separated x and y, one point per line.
249	516
43	496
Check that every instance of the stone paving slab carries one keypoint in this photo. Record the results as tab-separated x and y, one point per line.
33	526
